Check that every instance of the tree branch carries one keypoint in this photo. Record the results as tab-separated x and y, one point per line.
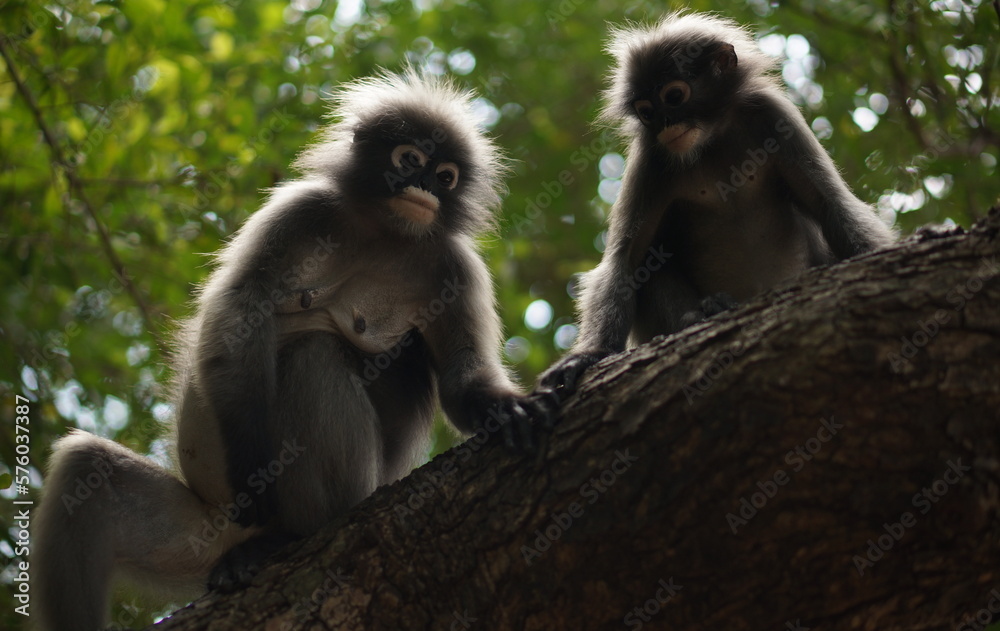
826	456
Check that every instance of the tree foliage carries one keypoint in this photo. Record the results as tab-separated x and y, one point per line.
136	135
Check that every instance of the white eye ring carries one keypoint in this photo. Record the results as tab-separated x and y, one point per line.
447	175
408	156
673	89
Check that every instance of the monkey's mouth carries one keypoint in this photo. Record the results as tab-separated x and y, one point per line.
679	138
416	205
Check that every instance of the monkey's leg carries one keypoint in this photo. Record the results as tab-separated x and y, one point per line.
106	510
327	446
327	434
401	387
668	303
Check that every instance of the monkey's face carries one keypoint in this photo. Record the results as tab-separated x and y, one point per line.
679	96
421	181
664	114
413	172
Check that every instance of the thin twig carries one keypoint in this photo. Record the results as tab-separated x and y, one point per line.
901	83
78	189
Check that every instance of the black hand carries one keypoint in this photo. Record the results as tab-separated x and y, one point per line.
561	379
524	415
710	306
717	303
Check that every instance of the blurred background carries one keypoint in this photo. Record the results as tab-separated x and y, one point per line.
137	135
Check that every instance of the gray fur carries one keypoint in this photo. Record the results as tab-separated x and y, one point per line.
319	344
719	236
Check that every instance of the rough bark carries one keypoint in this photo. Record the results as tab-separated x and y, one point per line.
636	492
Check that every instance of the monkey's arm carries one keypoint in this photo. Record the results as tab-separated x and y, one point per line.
236	368
607	304
475	388
236	356
849	225
607	313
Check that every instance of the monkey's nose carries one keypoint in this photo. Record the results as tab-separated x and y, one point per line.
425	182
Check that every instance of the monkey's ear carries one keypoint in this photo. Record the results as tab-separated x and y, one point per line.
724	59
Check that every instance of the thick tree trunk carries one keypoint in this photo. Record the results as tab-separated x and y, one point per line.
827	457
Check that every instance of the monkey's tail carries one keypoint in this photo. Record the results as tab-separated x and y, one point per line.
106	510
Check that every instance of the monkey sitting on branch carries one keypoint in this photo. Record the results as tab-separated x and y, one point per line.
334	321
694	98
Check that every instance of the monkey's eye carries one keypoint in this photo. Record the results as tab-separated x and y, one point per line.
408	156
644	110
447	175
675	93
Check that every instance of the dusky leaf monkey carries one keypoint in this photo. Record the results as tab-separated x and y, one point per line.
340	314
726	190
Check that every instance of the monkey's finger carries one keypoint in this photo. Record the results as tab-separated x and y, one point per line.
527	435
501	408
542	407
523	428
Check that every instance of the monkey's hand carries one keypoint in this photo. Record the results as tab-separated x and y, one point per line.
560	380
510	415
710	306
238	566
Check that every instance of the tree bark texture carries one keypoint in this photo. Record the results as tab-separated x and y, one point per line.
823	457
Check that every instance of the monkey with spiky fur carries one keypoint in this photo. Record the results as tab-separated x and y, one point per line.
309	375
726	191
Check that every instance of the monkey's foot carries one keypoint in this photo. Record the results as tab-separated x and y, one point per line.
555	386
710	306
561	379
938	231
240	564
